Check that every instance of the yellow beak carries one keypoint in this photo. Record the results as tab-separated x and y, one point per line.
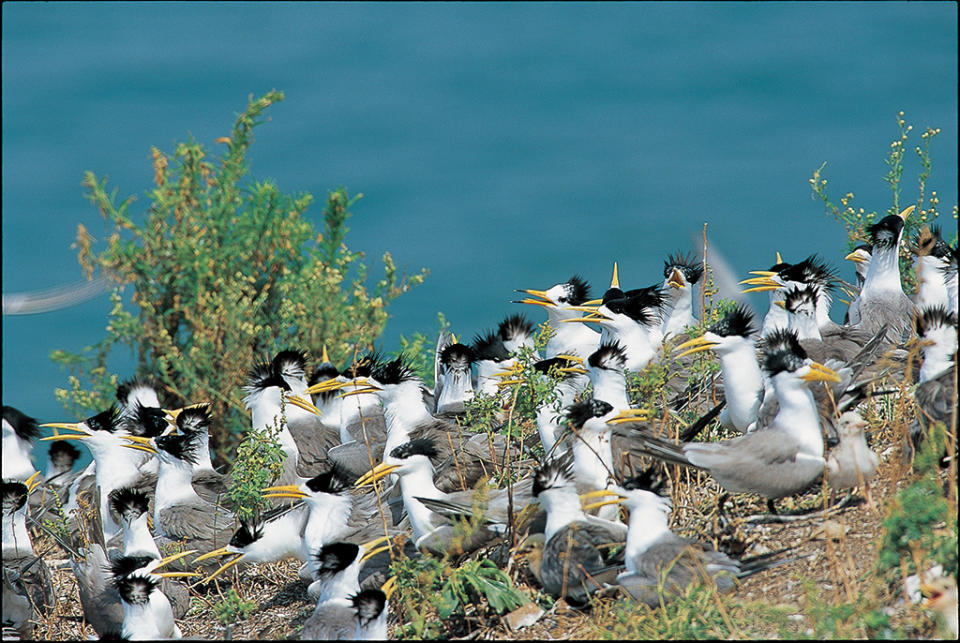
820	373
371	548
695	345
856	256
626	416
361	391
222	569
380	471
296	400
676	279
212	554
32	482
174	557
907	212
389	587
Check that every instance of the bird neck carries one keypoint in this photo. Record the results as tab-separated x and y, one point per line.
352	411
137	540
343	584
563	508
568	336
742	381
931	282
680	315
486	374
776	317
173	487
140	623
648	524
405	410
805	325
592	457
412	485
610	386
883	275
457	388
798	415
16	457
280	539
938	357
16	538
822	307
637	343
327	521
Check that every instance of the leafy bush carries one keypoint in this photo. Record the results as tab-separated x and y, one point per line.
225	270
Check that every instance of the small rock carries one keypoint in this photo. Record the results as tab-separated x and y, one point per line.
834	530
523	616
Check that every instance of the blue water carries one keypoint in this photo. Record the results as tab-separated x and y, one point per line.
500	145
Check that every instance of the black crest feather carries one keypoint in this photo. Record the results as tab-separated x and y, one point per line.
128	386
135	589
576	292
489	346
23	425
63	454
13	494
126	565
933	317
129	502
335	557
552	473
108	420
336	480
812	270
582	411
886	232
183	446
457	356
795	297
686	263
610	355
420	446
514	326
394	371
145	421
737	321
194	420
247	533
291	362
782	352
369	604
262	376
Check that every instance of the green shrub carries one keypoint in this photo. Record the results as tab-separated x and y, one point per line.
225	270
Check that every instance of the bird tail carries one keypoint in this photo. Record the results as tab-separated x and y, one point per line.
762	562
694	429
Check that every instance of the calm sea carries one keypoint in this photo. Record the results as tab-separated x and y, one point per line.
501	146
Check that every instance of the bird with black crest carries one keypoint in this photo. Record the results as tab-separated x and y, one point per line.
27	589
19	433
579	551
567	339
680	273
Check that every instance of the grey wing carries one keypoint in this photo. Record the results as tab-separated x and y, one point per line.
574	558
766	462
356	457
329	621
313	440
204	527
211	486
98	597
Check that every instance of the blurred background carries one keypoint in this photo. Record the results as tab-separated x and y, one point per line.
501	146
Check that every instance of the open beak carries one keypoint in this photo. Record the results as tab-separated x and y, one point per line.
626	416
32	482
286	491
572	358
172	558
856	257
612	499
296	400
174	413
372	549
380	471
820	373
222	569
140	444
389	587
593	316
223	551
334	384
676	279
75	426
695	345
361	391
542	294
781	303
